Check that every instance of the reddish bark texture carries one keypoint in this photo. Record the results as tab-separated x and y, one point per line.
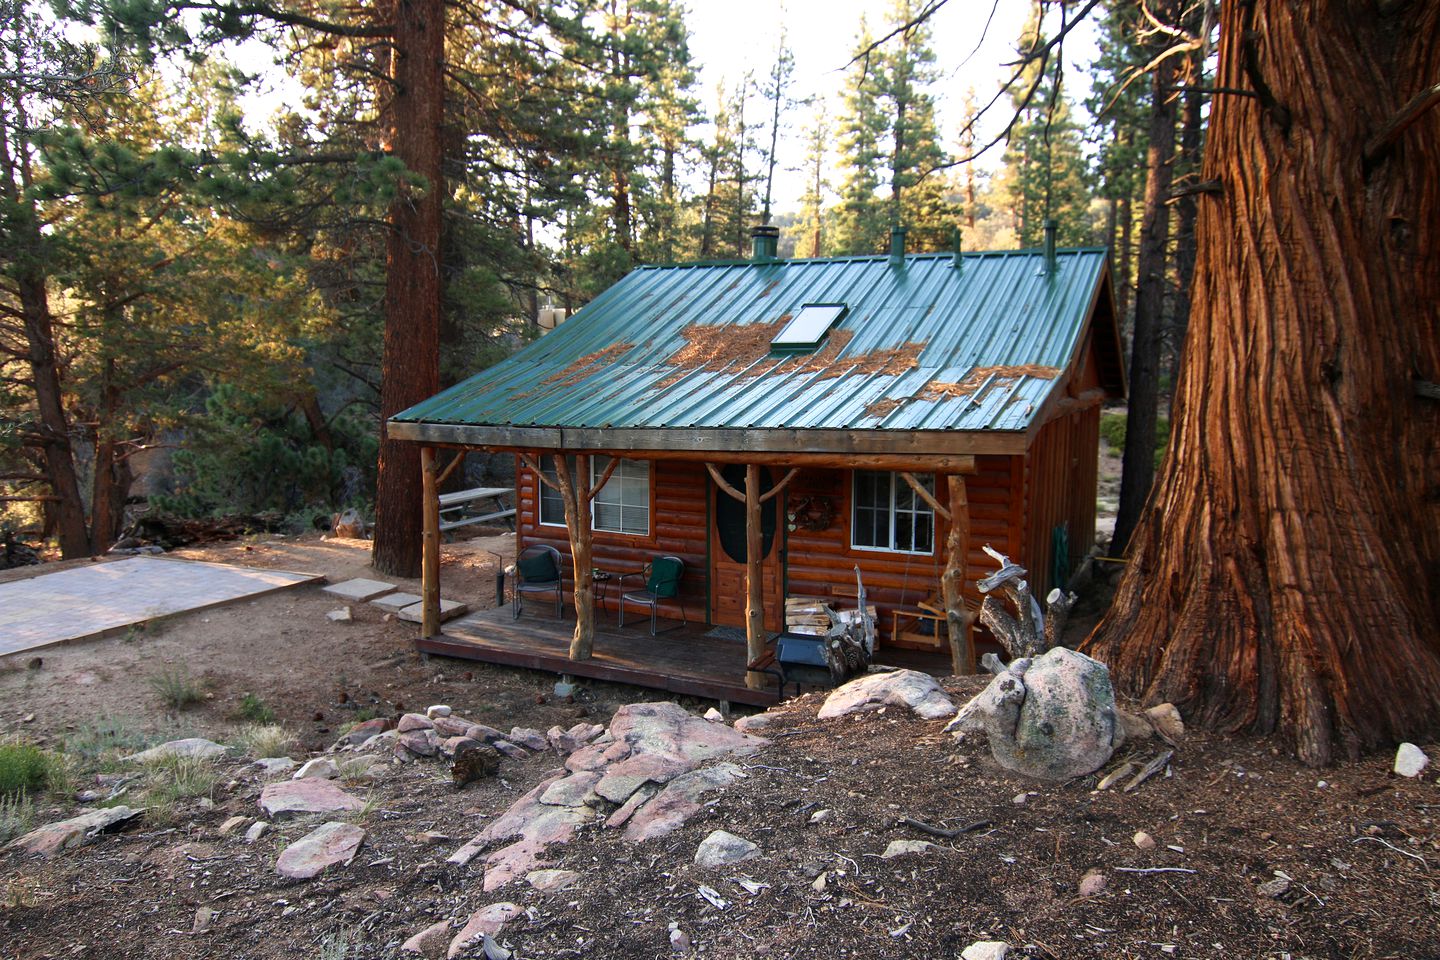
1286	574
411	360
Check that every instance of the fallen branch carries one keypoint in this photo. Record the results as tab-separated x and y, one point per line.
1154	870
941	832
1413	856
1149	770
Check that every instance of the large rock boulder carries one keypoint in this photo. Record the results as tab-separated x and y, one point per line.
54	838
901	688
197	747
722	849
1052	718
328	845
668	729
310	795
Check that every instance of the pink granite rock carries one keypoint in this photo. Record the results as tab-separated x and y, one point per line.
576	790
311	795
325	846
528	738
550	881
679	801
422	743
623	778
414	721
487	921
668	728
510	750
628	808
430	942
55	838
528	819
758	721
451	726
361	732
912	689
478	731
597	756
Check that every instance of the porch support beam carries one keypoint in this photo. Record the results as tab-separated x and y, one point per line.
754	588
429	545
572	482
754	572
959	622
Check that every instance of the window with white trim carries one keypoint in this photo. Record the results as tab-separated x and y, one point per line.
552	508
886	514
623	504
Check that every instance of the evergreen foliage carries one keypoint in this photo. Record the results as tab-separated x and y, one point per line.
1045	174
250	454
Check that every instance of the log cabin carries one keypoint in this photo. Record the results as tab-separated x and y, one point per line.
779	424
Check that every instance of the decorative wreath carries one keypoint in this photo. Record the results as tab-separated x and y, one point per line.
811	513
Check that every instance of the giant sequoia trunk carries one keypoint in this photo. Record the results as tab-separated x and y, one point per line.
1286	573
411	358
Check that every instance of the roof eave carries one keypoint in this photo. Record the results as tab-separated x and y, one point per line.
717	443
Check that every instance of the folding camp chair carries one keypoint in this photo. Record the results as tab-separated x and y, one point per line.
662	582
537	571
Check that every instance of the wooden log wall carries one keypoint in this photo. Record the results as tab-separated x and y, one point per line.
821	563
1061	473
678	527
1057	479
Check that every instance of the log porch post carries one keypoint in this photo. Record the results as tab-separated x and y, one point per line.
754	589
572	482
429	545
754	570
959	622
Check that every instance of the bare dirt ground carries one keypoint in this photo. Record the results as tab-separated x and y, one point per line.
313	673
1359	846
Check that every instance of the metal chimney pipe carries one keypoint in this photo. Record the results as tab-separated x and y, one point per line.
765	242
1051	226
897	247
959	246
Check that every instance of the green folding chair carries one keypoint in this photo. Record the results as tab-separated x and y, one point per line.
662	582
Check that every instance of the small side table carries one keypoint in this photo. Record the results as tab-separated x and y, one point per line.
602	579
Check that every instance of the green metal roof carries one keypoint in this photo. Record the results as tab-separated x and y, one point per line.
687	347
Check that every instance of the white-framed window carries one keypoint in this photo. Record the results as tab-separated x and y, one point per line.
887	515
622	506
552	508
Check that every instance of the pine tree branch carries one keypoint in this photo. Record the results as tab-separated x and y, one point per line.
289	18
1402	121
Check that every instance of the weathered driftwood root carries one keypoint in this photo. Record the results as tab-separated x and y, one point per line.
1029	632
1057	611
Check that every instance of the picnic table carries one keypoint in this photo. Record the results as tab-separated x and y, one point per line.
455	507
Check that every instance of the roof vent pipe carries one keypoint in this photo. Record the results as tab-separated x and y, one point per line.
765	240
959	246
897	247
1051	225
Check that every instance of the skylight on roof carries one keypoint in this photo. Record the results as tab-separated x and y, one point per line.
807	328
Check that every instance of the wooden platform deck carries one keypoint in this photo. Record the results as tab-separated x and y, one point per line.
684	660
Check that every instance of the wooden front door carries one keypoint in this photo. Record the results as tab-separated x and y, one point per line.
727	551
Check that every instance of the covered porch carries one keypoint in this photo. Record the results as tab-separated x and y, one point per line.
695	660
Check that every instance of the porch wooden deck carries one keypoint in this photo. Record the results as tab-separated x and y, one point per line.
684	661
